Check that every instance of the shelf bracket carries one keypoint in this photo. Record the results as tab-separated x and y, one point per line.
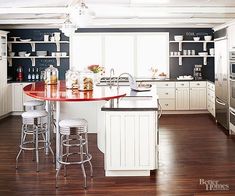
180	60
9	62
33	62
33	46
57	46
57	61
180	46
204	46
204	60
9	45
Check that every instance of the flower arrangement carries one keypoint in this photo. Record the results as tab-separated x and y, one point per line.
96	68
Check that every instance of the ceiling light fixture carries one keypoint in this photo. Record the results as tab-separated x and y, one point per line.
81	15
68	28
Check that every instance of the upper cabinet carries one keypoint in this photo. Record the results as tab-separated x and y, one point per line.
231	37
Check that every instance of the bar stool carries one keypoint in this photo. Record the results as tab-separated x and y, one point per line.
33	104
73	133
34	124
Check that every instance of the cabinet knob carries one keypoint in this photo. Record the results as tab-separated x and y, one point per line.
166	104
166	93
198	84
166	84
182	84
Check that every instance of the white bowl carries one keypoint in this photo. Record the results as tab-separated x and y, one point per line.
27	54
178	37
196	38
22	53
25	40
11	54
161	77
208	37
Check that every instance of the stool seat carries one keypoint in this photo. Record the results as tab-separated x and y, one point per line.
33	103
34	114
72	123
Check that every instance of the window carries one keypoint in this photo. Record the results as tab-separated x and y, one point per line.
134	53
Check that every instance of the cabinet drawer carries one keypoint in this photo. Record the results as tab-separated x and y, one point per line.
211	96
165	84
197	84
182	84
167	104
210	86
166	93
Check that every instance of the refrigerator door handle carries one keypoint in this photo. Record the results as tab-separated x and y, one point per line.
219	102
232	112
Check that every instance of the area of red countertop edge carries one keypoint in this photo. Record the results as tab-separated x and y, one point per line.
41	88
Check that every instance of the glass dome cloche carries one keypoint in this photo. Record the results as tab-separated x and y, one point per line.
51	75
72	77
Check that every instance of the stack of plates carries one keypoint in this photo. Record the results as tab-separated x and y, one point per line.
41	53
185	77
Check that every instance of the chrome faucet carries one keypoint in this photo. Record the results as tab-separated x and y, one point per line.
110	77
129	76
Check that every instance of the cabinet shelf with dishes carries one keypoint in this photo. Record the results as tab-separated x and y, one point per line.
33	43
192	56
192	41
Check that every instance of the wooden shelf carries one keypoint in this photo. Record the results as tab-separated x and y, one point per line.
192	41
192	56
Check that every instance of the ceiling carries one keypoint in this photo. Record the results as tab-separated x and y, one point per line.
119	13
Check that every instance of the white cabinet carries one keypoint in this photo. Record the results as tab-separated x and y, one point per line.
166	94
130	143
211	98
198	96
182	96
19	97
231	37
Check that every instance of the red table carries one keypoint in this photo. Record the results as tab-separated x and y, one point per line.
59	93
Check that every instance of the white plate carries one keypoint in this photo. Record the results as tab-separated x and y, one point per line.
25	40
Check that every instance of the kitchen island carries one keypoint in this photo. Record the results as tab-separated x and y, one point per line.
129	139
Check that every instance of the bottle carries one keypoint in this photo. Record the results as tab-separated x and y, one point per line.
29	75
19	73
33	75
37	75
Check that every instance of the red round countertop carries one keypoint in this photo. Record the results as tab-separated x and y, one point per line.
58	92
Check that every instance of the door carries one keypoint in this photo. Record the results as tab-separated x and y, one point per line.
198	99
221	70
182	98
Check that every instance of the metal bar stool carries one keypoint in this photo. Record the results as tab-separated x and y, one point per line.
33	104
73	133
34	124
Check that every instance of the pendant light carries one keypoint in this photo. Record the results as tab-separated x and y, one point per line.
68	28
81	15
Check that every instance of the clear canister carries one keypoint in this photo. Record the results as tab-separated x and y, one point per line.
86	81
71	77
51	75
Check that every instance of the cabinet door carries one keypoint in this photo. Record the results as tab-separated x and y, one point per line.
130	140
9	98
119	53
17	97
182	98
198	99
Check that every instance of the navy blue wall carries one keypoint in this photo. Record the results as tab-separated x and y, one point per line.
41	64
189	33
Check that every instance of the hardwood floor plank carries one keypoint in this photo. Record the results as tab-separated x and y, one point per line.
192	147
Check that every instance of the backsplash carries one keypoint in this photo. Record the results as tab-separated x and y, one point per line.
40	63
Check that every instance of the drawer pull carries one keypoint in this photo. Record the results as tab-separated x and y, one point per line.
198	84
166	93
182	84
166	84
166	104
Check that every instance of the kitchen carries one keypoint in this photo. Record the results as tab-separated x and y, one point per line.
184	138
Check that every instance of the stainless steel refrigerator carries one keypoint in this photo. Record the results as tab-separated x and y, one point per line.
221	82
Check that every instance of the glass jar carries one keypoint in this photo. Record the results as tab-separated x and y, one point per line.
71	77
86	81
51	75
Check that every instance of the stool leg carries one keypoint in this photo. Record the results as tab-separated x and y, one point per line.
87	154
82	164
67	156
59	159
37	157
21	143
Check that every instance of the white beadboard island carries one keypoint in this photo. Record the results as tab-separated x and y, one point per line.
129	140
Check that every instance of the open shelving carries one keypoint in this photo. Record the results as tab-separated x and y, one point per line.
192	41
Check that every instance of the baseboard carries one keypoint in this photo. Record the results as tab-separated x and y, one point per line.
185	112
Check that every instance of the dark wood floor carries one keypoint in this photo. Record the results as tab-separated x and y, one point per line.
192	147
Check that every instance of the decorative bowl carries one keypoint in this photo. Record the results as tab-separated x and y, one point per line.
178	37
196	38
208	37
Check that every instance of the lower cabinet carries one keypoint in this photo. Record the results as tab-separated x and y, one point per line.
18	96
130	142
211	98
198	96
182	96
